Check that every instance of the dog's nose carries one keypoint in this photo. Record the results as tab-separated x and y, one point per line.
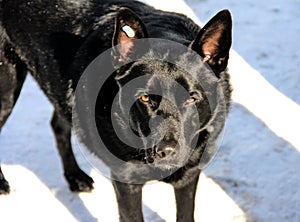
165	151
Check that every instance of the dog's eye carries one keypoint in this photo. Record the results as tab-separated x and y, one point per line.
190	100
145	98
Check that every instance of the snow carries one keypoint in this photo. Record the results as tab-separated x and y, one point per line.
256	173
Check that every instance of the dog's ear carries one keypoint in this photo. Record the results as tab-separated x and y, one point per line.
213	42
128	27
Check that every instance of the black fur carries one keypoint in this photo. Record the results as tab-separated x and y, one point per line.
56	40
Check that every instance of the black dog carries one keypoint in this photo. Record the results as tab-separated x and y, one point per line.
178	105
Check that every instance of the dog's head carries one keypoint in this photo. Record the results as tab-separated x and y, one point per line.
166	102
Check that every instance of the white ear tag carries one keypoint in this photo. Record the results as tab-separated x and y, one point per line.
129	31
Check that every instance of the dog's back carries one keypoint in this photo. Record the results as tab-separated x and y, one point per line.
51	32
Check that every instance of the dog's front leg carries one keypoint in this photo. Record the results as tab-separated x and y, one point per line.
4	187
185	200
129	199
77	179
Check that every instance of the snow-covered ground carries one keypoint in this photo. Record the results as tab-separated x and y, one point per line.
256	173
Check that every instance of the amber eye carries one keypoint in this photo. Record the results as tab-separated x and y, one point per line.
145	98
190	101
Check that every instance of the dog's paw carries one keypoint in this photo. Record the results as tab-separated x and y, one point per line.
79	181
4	187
